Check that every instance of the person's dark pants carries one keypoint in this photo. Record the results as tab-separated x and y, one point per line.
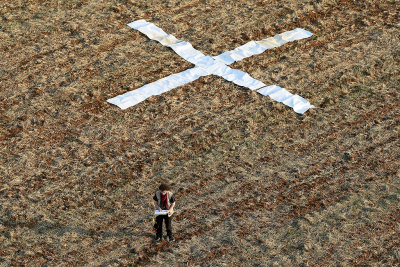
159	221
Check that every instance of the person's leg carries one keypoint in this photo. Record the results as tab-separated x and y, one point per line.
159	221
168	225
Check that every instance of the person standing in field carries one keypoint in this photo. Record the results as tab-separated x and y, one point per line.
164	200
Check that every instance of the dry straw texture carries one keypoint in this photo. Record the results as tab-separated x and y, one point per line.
255	183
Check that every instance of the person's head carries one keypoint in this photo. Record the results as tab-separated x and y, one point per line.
164	188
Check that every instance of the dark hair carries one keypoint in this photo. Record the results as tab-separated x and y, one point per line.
164	187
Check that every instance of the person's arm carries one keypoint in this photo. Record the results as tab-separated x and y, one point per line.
172	207
156	206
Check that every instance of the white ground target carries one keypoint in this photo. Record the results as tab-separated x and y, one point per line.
218	65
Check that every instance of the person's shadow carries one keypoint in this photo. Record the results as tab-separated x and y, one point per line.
46	227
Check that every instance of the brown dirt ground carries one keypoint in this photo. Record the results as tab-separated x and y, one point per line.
256	183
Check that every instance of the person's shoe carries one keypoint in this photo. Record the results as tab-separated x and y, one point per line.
158	239
171	238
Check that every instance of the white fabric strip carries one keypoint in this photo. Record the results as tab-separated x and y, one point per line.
206	65
186	50
257	47
161	86
153	32
242	79
247	50
299	104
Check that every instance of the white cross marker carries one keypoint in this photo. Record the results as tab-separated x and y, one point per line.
205	65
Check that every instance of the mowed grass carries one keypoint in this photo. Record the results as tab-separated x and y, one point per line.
255	183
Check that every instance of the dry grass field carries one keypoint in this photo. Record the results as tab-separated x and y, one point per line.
256	184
